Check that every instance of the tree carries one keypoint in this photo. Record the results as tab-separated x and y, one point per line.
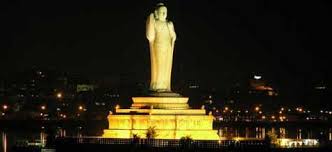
136	138
151	133
135	141
185	142
271	137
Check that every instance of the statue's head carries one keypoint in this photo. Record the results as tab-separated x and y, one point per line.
161	12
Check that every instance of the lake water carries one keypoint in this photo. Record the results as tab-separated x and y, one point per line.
10	137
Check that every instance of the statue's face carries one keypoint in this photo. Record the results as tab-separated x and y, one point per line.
162	13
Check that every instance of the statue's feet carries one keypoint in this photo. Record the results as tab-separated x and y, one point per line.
162	90
163	93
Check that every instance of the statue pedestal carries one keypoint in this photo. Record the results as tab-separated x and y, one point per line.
170	116
160	103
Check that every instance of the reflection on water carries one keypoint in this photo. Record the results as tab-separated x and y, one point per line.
273	130
43	137
259	132
281	132
62	132
330	134
299	134
4	142
246	132
11	137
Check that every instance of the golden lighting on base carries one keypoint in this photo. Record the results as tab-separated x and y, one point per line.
171	122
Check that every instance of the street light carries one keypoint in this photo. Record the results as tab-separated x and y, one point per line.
226	108
43	107
5	107
80	108
257	108
59	95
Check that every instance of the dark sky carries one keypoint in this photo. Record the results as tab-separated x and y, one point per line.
219	42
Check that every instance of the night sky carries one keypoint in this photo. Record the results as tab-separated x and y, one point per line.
218	42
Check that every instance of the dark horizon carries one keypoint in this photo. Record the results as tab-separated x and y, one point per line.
218	45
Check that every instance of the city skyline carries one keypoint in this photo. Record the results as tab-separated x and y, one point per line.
218	45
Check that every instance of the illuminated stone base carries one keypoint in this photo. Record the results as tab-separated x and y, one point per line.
169	122
164	134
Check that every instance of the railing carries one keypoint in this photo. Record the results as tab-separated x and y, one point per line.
210	144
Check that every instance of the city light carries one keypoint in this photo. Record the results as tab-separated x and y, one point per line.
299	109
5	107
226	108
257	108
80	108
257	77
63	115
59	95
281	118
43	107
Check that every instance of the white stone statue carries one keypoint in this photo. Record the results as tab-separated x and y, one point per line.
161	35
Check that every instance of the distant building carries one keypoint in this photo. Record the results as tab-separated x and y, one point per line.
320	86
84	87
250	92
260	86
